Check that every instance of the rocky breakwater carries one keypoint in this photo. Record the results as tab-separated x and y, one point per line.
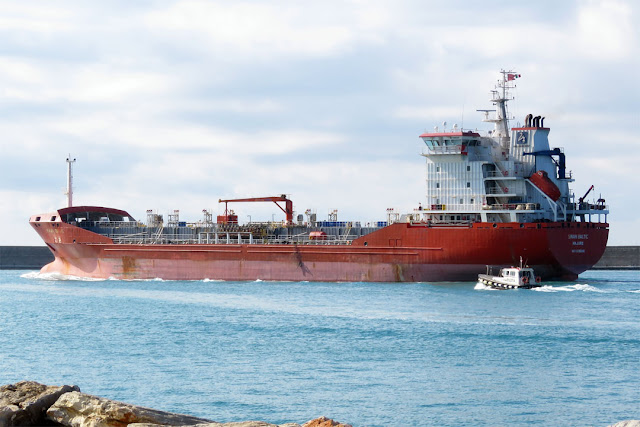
29	403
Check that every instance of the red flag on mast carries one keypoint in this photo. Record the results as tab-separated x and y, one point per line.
512	76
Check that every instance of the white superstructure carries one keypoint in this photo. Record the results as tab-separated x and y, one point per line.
501	176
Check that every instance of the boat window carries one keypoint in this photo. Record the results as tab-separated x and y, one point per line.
428	142
53	218
37	218
468	185
95	216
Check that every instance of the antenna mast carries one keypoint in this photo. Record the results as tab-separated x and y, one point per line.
69	191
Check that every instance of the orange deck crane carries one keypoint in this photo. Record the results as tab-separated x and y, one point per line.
231	218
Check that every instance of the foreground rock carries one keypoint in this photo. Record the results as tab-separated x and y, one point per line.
84	410
26	403
29	403
318	422
627	423
324	422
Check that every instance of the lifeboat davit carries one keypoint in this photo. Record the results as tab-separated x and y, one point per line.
541	180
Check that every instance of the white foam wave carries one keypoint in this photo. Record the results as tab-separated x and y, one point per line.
59	277
482	287
545	288
569	288
634	292
258	280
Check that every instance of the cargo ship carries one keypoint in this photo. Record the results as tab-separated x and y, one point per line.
490	199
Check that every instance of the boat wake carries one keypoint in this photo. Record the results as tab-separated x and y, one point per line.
569	288
482	287
60	277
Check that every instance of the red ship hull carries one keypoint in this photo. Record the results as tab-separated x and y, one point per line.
402	252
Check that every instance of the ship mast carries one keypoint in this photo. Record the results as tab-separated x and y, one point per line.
499	98
69	192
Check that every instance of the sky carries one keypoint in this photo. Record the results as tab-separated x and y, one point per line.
176	104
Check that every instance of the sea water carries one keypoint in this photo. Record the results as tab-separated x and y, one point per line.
370	354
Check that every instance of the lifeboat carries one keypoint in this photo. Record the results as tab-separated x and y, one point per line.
541	180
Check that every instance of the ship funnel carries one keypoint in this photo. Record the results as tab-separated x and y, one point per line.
527	120
536	122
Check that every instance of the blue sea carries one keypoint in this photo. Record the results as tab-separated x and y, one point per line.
369	354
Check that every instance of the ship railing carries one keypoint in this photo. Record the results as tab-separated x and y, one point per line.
499	174
444	223
512	206
587	207
140	239
500	190
227	238
112	224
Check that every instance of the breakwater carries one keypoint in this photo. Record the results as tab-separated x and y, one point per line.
24	257
619	258
34	257
29	403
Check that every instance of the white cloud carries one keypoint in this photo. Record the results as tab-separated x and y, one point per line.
265	30
29	17
605	29
176	104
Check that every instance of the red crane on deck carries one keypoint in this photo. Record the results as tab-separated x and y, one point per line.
233	219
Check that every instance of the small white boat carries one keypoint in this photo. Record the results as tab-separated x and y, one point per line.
521	277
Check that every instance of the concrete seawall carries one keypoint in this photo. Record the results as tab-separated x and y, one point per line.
619	258
24	257
34	257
